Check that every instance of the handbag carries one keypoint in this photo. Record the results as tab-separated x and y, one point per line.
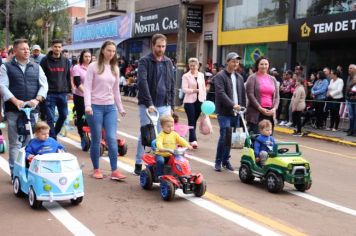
235	137
148	134
205	126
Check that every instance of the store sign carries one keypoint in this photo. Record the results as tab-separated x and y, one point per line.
323	27
165	21
195	19
208	35
113	29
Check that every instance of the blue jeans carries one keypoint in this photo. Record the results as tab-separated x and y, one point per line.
144	120
223	152
193	111
59	100
159	165
14	141
351	106
104	116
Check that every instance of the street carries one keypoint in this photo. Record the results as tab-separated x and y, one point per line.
229	206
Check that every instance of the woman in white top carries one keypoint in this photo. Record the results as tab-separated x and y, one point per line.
334	99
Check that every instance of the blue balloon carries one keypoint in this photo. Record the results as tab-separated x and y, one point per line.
208	107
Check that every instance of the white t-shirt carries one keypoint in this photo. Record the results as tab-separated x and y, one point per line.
234	81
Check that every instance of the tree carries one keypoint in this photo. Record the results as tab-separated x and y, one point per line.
35	17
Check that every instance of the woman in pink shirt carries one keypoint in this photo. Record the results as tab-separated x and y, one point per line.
193	85
102	102
263	95
77	80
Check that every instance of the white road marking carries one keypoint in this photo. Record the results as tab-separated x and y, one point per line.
210	206
62	215
307	196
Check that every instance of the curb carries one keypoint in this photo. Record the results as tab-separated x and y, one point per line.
278	129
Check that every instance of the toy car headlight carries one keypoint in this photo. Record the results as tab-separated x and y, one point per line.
290	166
307	166
47	187
76	185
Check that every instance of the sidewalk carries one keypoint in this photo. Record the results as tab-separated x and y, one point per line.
338	136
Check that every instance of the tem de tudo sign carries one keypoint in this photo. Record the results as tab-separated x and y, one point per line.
323	27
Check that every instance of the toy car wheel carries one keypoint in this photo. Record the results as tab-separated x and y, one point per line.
122	149
17	187
76	201
274	182
245	174
32	199
303	187
146	180
199	189
102	149
85	142
167	190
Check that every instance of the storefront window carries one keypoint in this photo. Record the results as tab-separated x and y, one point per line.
307	8
239	14
275	52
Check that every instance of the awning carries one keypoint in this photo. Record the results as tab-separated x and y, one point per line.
88	45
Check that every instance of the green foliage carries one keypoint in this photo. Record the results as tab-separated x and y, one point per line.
29	17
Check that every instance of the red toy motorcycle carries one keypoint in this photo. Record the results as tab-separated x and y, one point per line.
177	174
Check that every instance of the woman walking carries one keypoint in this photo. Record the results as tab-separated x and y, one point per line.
193	84
102	102
77	81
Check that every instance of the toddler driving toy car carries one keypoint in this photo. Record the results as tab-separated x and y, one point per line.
48	177
284	163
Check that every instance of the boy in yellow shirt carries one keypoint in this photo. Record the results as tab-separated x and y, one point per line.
167	139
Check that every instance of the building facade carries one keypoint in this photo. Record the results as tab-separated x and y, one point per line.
279	31
157	16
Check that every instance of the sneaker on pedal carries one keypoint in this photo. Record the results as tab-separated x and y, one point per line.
282	123
116	175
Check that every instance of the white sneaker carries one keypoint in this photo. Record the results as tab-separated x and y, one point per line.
289	124
282	122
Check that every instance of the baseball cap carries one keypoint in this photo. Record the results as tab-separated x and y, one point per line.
273	69
232	55
36	47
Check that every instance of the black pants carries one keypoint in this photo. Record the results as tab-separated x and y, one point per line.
320	113
253	128
297	120
334	108
193	111
80	110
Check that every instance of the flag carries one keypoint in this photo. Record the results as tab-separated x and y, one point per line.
253	52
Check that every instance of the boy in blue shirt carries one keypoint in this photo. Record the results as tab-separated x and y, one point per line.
264	143
42	143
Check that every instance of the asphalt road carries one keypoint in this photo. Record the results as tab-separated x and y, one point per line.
228	208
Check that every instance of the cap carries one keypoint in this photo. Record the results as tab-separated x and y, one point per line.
273	69
232	55
36	47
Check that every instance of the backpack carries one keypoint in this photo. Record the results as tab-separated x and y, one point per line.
23	127
148	134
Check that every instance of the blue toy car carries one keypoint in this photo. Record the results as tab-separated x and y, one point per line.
49	177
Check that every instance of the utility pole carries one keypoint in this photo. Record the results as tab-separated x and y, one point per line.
181	47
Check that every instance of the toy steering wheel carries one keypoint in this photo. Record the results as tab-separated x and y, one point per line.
283	150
